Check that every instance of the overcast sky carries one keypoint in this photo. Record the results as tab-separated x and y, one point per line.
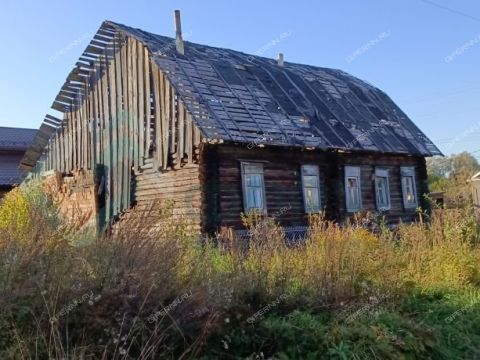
424	54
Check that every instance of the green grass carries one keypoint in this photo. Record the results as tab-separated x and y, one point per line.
414	328
413	293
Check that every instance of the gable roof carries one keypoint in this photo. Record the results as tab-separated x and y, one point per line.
9	177
13	142
16	138
245	98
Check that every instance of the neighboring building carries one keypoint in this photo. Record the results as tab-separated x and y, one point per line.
13	143
475	181
437	198
221	132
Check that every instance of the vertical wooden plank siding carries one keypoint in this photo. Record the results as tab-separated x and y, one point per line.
69	125
134	95
92	159
96	108
163	138
141	105
84	128
57	152
117	128
125	130
148	102
106	124
180	132
61	149
123	104
74	138
130	111
157	159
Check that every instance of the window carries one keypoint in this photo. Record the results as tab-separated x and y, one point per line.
311	188
352	188
253	187
382	189
408	187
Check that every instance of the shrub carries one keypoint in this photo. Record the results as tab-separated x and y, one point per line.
14	213
141	292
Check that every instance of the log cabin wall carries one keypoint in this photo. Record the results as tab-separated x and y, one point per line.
282	183
122	116
74	195
283	187
152	189
210	180
392	163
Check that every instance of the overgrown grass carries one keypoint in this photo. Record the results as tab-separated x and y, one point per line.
346	293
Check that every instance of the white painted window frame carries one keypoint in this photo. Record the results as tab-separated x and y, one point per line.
353	172
382	173
244	172
311	170
408	171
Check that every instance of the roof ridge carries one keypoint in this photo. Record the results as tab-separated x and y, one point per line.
17	128
125	28
295	104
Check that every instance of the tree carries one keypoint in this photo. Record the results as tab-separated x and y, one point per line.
464	165
451	175
439	166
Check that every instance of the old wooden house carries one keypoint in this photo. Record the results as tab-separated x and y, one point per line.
221	132
13	144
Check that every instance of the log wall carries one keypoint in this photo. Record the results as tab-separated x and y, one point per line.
392	163
75	196
283	187
182	187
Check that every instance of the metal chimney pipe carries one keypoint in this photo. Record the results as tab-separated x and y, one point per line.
280	59
178	33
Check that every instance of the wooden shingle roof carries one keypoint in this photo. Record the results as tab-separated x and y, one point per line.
237	97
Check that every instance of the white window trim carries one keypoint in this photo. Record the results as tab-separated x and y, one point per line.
244	186
353	171
408	171
379	172
317	175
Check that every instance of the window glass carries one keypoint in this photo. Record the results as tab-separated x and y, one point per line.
382	189
253	187
408	187
352	188
311	188
409	193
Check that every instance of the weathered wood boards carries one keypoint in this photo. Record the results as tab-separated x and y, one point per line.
125	112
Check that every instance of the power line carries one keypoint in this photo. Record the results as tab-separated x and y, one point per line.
438	114
451	10
449	141
439	95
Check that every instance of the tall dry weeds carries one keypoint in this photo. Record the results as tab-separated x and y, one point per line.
65	294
